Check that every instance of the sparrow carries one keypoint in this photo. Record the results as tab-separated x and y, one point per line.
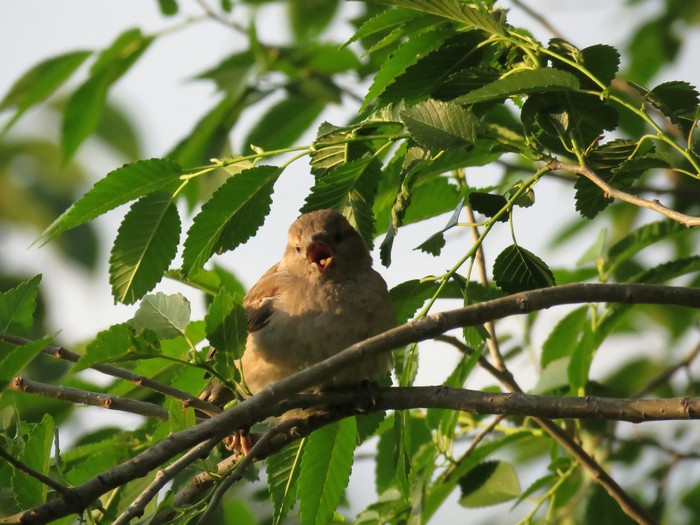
322	297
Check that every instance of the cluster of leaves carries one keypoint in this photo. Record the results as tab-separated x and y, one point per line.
453	87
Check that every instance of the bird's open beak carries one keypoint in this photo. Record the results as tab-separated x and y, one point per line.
320	254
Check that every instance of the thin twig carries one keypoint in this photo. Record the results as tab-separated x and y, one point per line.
136	508
22	467
480	260
475	442
535	15
610	192
83	397
243	465
59	352
664	376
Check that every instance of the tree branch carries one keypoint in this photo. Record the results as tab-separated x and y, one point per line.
266	402
59	352
73	395
610	192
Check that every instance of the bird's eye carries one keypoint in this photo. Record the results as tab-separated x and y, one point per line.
298	248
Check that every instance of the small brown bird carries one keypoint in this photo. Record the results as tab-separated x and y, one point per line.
322	297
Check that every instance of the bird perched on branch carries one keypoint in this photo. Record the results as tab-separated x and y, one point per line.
322	297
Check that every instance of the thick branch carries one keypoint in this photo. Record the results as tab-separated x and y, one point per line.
609	191
265	403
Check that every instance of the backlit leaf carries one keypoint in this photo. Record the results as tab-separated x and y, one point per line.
145	245
440	125
166	315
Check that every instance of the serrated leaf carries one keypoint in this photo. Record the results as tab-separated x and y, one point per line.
489	483
40	82
382	21
282	477
15	358
522	83
404	56
36	454
639	239
17	306
349	189
146	243
602	60
429	75
488	204
84	108
231	216
678	101
440	125
118	187
325	470
284	123
166	315
226	324
117	343
489	21
563	338
517	269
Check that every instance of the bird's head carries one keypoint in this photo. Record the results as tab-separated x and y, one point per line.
323	243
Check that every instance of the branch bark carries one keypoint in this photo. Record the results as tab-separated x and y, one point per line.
687	220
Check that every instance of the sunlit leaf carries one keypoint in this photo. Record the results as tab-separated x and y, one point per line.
282	477
440	125
166	315
17	306
36	454
489	483
117	343
227	324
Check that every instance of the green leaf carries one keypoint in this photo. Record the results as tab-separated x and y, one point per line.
231	216
429	75
387	19
602	61
146	243
517	269
325	470
282	477
678	101
309	18
349	189
226	324
489	21
40	82
434	244
639	239
522	83
284	122
84	108
118	187
232	73
406	55
17	307
167	7
166	315
15	358
117	343
440	125
239	512
563	338
488	204
489	483
36	454
209	137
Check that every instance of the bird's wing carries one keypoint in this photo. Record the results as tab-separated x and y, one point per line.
259	301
